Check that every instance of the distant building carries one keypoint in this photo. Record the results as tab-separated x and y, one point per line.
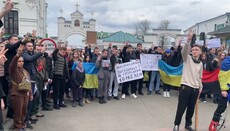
217	26
76	25
119	38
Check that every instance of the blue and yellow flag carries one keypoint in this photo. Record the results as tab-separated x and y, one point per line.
224	74
91	79
170	75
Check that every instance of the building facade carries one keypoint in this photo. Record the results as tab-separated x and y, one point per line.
212	27
76	25
27	15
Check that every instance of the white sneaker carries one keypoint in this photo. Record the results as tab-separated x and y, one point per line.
167	94
123	96
164	94
134	96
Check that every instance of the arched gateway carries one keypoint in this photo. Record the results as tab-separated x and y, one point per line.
74	26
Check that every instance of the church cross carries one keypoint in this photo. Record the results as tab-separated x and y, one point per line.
77	5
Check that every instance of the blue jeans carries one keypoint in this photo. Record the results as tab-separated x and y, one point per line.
155	75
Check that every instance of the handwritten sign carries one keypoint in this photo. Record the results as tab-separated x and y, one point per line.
50	45
128	71
213	43
149	62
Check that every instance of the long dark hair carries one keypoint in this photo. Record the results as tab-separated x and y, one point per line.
86	55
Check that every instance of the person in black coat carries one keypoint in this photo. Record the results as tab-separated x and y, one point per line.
77	81
167	58
129	55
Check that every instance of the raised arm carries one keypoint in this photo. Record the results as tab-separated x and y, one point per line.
185	50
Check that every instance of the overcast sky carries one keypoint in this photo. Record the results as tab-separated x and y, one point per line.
116	15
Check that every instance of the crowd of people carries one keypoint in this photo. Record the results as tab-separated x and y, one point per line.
29	76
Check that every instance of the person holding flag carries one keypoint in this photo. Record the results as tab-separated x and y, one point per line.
224	81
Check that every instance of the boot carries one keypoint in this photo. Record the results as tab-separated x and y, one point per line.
104	100
81	103
213	125
101	100
74	104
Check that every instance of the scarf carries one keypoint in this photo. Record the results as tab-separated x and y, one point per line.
80	69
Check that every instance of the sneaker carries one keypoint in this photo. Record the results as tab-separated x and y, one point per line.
46	108
176	128
165	94
116	98
109	98
101	100
213	125
39	115
28	126
81	103
33	118
74	104
87	101
134	96
57	107
62	105
189	128
157	92
204	101
123	96
149	93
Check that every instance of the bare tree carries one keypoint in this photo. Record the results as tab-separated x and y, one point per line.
164	24
142	28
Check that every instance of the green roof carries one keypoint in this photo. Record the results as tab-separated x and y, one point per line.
102	35
121	37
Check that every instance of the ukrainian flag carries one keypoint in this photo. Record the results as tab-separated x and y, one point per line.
91	79
224	74
170	75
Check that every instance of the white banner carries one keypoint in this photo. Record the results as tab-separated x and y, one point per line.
149	62
128	71
213	43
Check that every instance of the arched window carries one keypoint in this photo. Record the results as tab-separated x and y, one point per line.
76	23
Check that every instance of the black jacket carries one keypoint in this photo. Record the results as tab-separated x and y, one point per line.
10	55
127	56
49	66
29	63
77	78
168	59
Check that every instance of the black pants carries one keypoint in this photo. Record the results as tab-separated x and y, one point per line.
5	88
68	87
140	84
77	93
125	87
166	87
222	105
86	93
187	99
58	90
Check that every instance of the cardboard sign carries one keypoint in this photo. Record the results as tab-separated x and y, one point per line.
128	71
50	45
91	37
213	43
149	62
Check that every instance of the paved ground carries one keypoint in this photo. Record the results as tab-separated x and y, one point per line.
146	113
